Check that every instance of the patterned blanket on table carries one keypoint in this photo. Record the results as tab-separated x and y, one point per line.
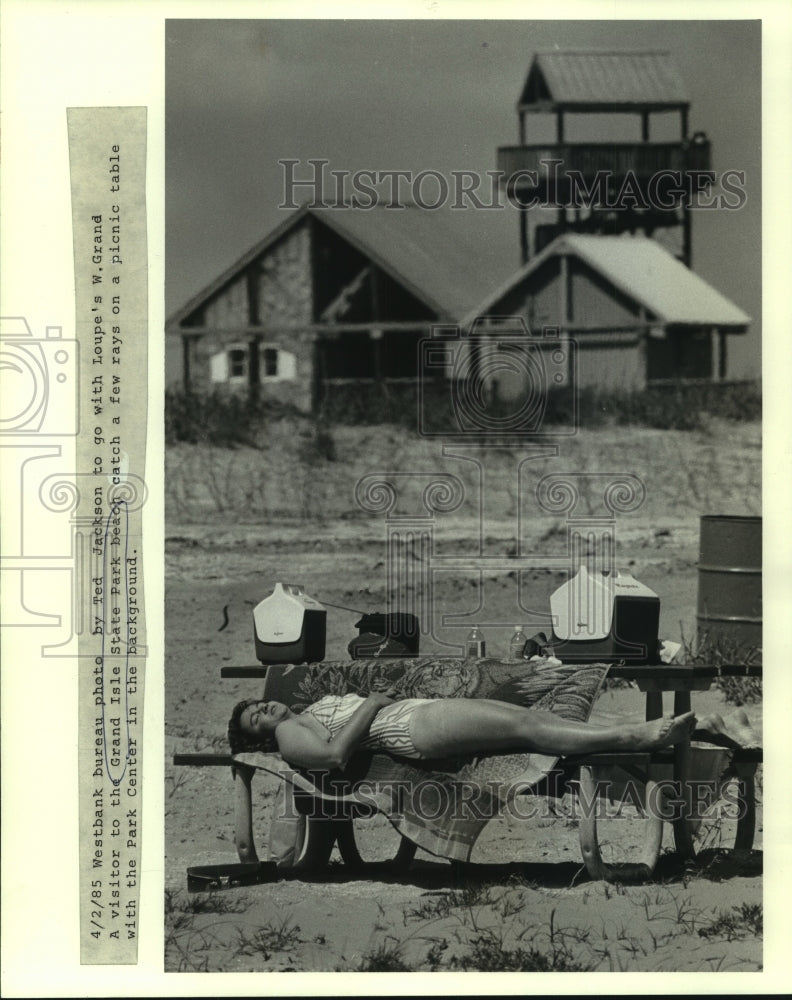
442	805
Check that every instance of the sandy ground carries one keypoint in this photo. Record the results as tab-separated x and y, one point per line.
525	901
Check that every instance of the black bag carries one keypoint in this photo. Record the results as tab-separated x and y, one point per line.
394	634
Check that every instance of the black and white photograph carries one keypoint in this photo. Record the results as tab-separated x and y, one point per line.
463	496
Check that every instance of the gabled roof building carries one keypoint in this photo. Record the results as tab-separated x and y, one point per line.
636	314
330	295
338	297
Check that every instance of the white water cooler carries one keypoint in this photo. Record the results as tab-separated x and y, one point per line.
605	618
289	626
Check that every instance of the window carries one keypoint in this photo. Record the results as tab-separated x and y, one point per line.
277	365
271	361
237	363
230	365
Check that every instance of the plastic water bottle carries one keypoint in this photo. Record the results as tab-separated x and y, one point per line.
517	643
475	645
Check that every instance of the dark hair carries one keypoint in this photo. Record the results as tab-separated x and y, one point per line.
242	742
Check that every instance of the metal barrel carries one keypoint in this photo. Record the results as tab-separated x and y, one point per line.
730	580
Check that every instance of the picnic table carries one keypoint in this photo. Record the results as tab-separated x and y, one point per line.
334	821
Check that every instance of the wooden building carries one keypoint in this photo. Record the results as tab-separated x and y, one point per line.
625	179
332	295
345	296
635	313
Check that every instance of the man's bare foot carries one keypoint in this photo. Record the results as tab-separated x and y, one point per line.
663	732
734	733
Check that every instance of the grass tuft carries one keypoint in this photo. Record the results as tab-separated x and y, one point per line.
489	954
723	650
745	921
270	939
386	957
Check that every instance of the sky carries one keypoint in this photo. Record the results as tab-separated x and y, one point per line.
417	95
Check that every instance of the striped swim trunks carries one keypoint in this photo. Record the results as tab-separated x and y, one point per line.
390	730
